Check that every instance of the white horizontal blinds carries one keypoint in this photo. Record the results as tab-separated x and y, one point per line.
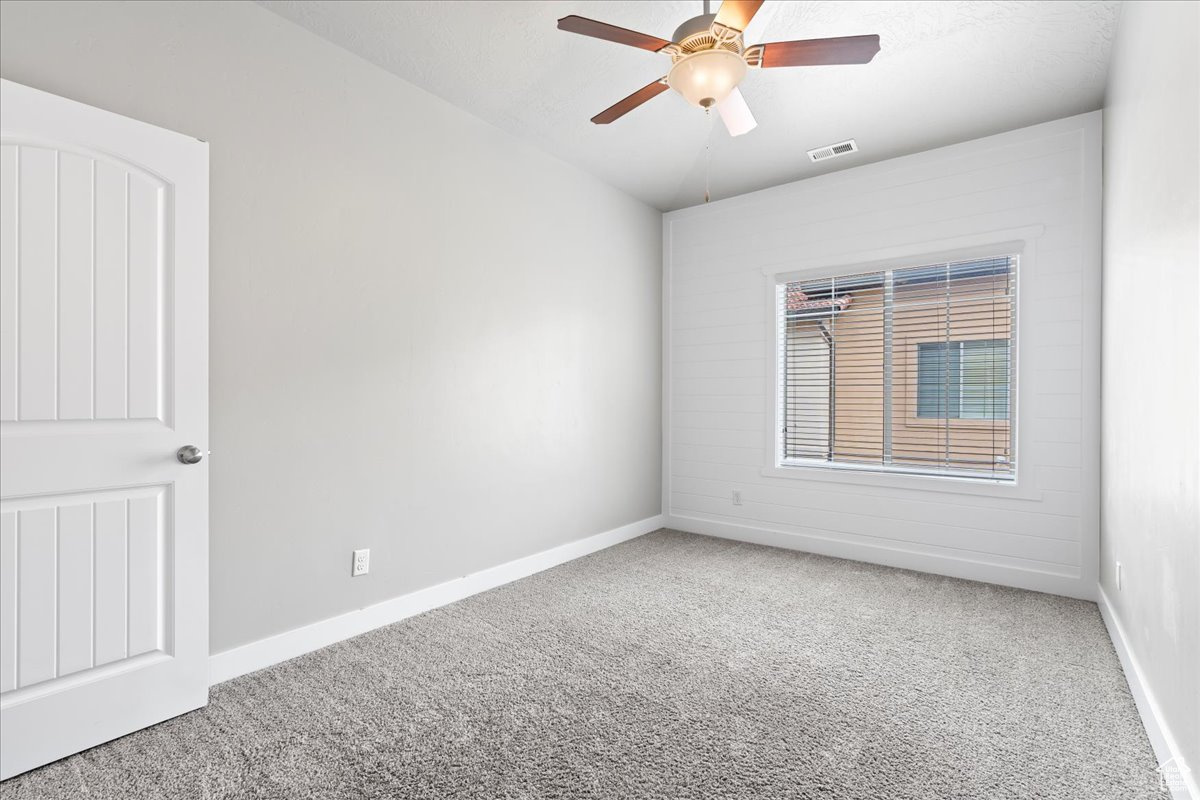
906	369
806	367
953	376
834	369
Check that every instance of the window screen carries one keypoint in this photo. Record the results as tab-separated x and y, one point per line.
906	369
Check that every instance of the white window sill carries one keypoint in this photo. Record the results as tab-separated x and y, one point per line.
899	480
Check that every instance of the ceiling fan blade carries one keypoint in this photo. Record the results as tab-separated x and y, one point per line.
737	14
736	114
623	107
814	52
602	30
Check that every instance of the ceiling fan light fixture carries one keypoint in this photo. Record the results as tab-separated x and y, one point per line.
709	58
705	78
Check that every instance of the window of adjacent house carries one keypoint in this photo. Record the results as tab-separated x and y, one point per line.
963	379
908	369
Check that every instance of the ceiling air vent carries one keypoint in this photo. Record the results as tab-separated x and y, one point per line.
833	150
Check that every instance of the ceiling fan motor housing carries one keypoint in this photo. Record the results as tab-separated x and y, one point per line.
703	33
691	27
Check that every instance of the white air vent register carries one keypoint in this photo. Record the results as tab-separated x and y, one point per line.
833	150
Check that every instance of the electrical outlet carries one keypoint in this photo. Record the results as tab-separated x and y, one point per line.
1119	576
737	497
362	563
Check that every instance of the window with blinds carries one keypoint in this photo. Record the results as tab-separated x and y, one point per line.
907	370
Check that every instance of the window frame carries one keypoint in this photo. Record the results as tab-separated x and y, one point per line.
1019	244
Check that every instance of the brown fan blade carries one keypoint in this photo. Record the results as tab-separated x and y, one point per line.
602	30
737	14
620	109
814	52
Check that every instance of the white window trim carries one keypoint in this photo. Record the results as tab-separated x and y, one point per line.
1019	242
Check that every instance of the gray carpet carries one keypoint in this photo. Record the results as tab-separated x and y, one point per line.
673	666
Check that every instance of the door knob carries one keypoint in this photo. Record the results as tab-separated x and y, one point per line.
189	454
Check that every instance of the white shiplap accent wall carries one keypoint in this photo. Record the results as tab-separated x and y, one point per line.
1039	188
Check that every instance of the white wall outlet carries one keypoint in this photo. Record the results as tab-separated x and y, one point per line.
737	497
1119	576
362	563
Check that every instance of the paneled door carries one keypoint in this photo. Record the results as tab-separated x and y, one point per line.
103	390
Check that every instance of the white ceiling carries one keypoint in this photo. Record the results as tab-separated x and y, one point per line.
947	72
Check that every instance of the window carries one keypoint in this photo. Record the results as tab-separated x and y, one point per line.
906	369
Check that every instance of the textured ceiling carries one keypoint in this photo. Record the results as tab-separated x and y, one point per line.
947	72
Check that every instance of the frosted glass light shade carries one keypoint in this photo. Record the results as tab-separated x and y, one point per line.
706	78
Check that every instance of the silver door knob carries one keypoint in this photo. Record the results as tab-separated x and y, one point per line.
189	454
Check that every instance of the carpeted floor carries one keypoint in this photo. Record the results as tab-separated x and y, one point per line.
673	666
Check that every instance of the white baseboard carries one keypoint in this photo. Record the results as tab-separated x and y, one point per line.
281	647
953	566
1164	744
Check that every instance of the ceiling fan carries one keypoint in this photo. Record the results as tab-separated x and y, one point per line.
709	59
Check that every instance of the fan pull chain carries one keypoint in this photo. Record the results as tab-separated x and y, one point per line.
708	156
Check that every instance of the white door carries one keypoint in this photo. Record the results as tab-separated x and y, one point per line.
104	377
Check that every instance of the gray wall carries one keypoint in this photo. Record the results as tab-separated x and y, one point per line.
428	338
1150	517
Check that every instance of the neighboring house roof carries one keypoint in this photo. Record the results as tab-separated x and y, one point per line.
799	301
